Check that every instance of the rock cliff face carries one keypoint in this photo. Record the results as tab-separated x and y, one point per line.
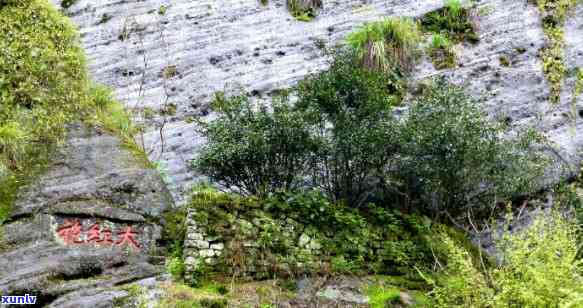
92	222
172	56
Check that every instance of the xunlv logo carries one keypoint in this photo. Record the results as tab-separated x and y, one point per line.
19	299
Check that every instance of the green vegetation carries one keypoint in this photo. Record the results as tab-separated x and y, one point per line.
539	269
453	21
110	115
350	108
256	150
504	60
260	151
451	151
367	240
553	55
441	52
43	86
162	10
380	297
363	167
341	137
387	45
578	84
303	10
331	182
395	291
175	266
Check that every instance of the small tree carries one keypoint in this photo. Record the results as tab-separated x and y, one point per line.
254	149
456	158
351	107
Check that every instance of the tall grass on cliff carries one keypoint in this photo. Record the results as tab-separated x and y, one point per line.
387	44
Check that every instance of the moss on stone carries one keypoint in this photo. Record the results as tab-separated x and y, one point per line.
554	14
454	21
304	10
289	234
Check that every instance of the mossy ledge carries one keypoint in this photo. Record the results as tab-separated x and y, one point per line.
43	86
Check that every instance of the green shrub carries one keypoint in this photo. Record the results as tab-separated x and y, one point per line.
387	45
351	107
454	21
457	159
460	283
254	149
341	137
175	266
539	269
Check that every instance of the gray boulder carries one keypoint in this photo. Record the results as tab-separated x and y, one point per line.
90	223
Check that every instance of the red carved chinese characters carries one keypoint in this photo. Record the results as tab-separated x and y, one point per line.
128	238
106	238
71	232
94	234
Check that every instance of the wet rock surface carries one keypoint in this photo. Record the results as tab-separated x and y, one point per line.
90	223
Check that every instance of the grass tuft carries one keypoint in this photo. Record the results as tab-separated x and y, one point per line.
387	44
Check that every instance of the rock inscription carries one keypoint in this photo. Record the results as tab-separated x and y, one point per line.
72	232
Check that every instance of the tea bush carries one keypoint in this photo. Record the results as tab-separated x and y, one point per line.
341	136
351	107
337	136
254	149
456	159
